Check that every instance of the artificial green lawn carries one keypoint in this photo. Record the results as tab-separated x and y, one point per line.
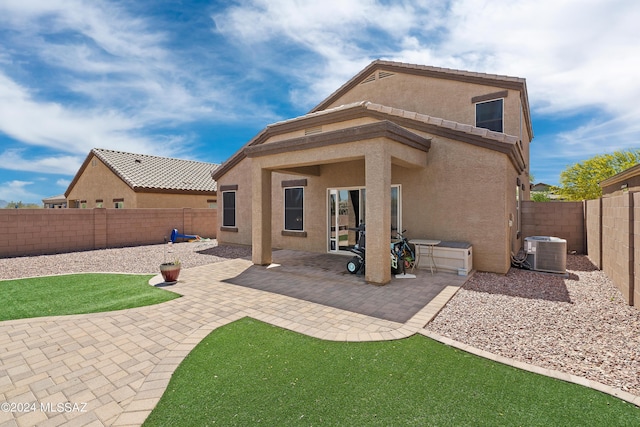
77	294
249	373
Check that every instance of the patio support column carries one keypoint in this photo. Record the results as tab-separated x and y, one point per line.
378	208
261	215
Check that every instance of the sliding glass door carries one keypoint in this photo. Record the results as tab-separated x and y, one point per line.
346	210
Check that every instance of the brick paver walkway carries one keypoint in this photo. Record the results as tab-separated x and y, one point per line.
112	368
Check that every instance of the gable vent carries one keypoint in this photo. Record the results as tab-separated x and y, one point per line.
311	131
383	74
371	78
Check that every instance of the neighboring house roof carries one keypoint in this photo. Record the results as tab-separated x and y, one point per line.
621	176
541	186
143	172
55	199
495	80
497	141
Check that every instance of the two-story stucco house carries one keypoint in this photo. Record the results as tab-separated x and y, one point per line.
441	153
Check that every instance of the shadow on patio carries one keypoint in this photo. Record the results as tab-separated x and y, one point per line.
323	279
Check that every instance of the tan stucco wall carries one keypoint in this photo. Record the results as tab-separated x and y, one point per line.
98	182
447	99
161	200
459	195
240	175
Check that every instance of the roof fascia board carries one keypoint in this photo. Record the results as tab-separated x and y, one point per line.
172	191
622	176
78	174
384	128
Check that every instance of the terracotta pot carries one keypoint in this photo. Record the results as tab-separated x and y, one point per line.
170	272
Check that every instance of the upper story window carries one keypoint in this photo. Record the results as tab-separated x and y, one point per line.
489	115
294	209
228	208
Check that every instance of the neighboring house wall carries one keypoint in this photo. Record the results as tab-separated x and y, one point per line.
615	189
625	181
163	200
51	231
98	182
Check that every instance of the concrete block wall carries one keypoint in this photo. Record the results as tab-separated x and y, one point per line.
617	242
49	231
613	231
593	220
636	249
559	219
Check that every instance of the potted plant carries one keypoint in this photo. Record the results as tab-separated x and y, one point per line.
170	271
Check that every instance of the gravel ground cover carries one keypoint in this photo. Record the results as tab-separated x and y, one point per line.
579	325
139	259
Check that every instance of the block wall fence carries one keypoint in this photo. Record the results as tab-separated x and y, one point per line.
49	231
606	229
559	219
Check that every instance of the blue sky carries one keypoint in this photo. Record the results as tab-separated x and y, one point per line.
198	79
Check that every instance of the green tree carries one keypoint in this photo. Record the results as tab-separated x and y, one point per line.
581	180
21	205
540	196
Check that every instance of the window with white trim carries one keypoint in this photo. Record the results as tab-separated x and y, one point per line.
294	209
489	115
228	208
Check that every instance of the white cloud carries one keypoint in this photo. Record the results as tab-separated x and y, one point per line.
16	191
111	80
573	53
63	183
340	35
53	125
60	164
576	55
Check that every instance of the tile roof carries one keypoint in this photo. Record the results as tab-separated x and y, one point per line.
142	171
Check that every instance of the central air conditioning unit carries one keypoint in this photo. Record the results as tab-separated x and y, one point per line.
546	253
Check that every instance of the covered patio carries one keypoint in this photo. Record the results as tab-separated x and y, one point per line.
375	146
323	279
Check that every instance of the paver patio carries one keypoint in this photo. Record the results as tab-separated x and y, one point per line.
115	366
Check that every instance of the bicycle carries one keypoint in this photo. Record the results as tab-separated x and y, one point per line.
402	256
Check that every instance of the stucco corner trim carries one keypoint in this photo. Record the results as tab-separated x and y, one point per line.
232	187
229	229
294	233
294	183
490	96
